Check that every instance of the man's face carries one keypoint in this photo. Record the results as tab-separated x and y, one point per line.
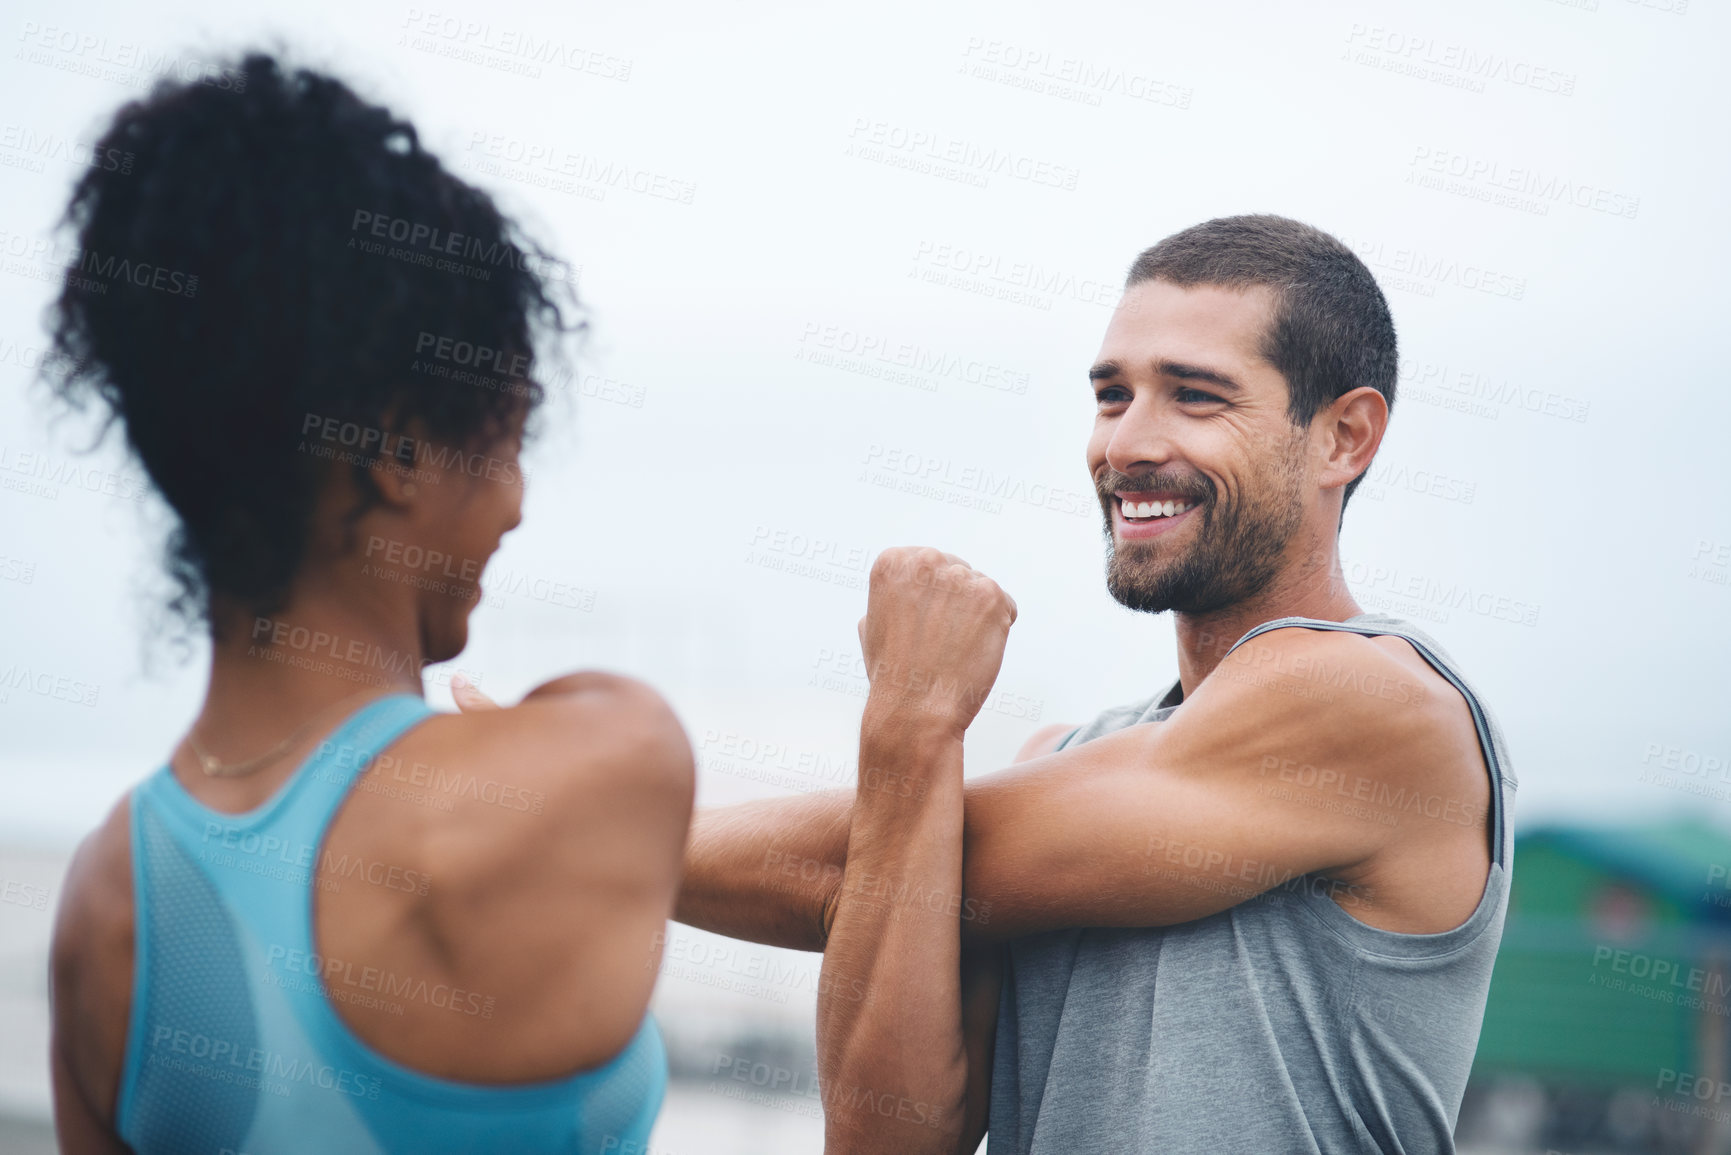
1199	470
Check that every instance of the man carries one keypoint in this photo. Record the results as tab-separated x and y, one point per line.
1256	911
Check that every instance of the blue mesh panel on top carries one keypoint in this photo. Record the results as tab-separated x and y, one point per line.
222	1057
627	1101
194	1091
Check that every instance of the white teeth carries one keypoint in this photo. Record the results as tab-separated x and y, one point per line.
1153	509
1148	509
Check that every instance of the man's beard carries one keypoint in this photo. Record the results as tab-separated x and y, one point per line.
1237	547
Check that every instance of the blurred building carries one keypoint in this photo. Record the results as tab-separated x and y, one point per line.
1609	1021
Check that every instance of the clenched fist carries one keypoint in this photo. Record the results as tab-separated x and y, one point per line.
933	635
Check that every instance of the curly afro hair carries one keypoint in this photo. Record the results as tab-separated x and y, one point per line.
284	254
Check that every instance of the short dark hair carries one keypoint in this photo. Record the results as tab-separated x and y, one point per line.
1332	331
263	302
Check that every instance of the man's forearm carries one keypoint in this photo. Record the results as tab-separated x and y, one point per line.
889	1019
764	871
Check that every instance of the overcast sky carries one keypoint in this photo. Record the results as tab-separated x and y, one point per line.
826	251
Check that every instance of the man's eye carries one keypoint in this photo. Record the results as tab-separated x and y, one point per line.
1112	395
1195	395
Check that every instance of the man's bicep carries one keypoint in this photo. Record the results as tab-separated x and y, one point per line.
1081	838
1162	823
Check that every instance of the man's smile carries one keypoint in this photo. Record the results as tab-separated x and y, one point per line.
1149	514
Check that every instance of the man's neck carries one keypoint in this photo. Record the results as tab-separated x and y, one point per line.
1204	639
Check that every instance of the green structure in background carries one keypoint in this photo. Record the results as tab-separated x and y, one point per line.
1615	967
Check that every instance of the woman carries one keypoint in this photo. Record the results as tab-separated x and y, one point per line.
335	920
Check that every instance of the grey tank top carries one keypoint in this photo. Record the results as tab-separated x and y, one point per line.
1282	1024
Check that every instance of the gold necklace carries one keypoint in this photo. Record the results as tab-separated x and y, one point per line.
216	768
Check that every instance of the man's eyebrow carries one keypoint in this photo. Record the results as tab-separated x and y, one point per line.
1163	367
1187	372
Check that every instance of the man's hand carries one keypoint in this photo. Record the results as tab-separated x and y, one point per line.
933	636
889	1015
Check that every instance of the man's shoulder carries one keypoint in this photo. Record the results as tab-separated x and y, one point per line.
1359	696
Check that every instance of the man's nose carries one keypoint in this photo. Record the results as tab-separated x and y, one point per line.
1141	439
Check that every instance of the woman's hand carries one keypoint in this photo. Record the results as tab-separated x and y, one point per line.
468	696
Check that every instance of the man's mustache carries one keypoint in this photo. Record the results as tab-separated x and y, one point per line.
1189	487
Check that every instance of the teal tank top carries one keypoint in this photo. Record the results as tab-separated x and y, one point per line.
233	1047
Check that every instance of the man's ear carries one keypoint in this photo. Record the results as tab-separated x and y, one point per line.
1352	428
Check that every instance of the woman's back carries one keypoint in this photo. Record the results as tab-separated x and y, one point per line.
290	987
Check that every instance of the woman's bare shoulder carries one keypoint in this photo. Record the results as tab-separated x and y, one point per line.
90	970
584	765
